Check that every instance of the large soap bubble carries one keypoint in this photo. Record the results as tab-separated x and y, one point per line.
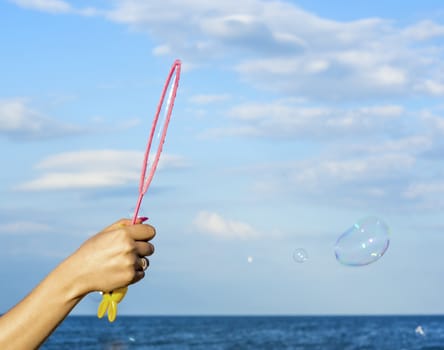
363	243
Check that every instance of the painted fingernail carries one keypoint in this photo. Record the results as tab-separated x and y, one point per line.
143	219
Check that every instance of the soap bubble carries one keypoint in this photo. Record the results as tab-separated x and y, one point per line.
92	300
95	297
363	243
250	259
300	255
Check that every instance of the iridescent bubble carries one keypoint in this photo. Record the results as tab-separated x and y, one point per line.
300	255
363	243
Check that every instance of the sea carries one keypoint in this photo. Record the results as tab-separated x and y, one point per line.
250	332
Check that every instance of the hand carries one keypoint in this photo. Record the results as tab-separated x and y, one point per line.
112	258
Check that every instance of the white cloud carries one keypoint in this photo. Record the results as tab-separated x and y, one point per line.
209	98
52	6
214	224
424	190
162	50
424	30
246	31
93	169
24	227
19	121
364	169
55	7
282	119
412	145
80	180
432	87
278	46
433	122
91	159
299	52
360	180
388	75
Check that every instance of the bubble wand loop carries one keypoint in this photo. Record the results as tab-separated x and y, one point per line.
145	183
110	300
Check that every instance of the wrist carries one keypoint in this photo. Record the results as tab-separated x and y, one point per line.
70	279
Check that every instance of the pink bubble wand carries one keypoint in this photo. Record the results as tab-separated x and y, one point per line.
145	181
110	300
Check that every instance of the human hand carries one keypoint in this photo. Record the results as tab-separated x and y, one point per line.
113	258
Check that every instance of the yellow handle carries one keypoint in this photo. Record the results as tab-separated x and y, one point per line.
109	303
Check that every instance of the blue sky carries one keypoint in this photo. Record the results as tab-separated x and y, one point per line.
293	120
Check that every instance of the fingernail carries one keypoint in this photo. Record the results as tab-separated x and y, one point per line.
143	219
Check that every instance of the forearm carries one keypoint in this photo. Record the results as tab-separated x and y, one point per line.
105	262
30	322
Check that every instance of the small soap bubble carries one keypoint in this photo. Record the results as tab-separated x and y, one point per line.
363	243
250	259
95	297
300	255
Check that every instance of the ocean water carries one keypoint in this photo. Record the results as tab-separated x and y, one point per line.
255	332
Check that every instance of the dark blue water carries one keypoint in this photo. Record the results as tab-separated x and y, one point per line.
338	333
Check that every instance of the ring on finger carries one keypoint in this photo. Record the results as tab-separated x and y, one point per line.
144	262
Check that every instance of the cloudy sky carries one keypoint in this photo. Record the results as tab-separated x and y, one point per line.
294	119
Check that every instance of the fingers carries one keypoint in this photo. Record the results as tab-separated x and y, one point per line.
143	232
128	250
138	276
138	232
144	248
118	224
124	222
142	264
